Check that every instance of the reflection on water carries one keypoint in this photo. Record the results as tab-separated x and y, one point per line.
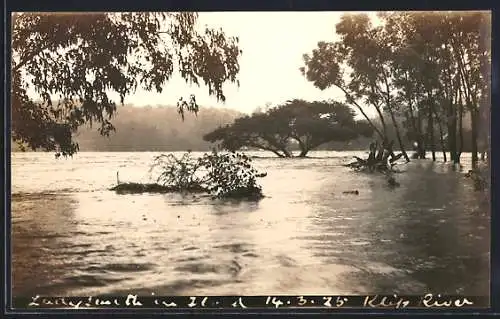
72	237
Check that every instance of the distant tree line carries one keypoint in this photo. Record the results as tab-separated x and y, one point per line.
154	128
144	129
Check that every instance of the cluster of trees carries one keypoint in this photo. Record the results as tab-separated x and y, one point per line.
295	124
66	68
429	69
423	74
363	143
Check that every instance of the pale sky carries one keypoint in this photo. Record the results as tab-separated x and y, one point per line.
273	44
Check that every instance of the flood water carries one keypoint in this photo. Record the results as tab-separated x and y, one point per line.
71	236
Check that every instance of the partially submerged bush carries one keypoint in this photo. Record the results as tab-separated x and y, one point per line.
180	173
222	175
231	175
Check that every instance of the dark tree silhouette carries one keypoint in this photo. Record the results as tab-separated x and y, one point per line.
305	124
66	68
430	68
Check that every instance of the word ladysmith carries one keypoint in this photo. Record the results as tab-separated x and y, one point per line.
372	301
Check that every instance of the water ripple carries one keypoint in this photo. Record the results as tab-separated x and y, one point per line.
71	236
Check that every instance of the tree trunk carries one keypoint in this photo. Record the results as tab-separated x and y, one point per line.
393	118
416	126
382	121
351	100
421	139
430	130
304	146
485	107
287	153
452	132
460	132
398	135
441	136
275	150
275	146
474	128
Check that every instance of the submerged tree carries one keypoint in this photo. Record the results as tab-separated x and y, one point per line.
360	65
444	58
67	68
428	68
222	175
297	122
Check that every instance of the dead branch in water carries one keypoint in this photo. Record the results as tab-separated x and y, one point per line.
380	159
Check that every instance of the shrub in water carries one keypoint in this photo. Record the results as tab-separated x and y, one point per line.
231	175
178	173
223	175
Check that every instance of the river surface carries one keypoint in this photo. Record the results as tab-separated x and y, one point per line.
72	236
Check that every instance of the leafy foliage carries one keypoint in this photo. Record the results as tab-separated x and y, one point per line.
308	124
231	175
67	67
177	172
223	175
417	66
363	57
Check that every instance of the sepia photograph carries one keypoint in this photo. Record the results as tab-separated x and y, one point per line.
250	153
